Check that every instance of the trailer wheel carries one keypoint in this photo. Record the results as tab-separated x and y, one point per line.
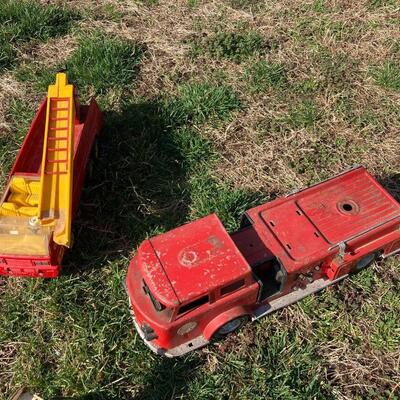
365	262
230	326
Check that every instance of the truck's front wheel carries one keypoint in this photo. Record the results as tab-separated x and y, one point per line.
230	326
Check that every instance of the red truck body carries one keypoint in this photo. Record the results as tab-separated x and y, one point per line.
28	163
197	282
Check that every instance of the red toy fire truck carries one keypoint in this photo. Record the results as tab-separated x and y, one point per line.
45	183
197	282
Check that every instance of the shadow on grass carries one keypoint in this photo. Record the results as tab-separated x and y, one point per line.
135	187
168	380
392	184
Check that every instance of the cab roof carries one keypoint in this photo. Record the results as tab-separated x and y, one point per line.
197	258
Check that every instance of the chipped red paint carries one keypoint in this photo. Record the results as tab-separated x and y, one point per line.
309	224
311	237
200	252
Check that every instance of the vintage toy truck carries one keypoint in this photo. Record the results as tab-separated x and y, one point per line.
198	282
45	183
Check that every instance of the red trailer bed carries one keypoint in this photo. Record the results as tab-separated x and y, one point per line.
28	246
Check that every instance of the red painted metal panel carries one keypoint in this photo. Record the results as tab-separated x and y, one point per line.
323	212
297	235
203	253
348	206
153	273
251	246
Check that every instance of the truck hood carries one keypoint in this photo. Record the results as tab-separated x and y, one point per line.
154	275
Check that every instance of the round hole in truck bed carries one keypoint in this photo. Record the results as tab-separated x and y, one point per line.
348	206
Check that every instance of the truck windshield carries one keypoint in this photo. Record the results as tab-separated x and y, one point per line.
157	305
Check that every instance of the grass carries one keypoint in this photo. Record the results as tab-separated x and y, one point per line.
247	5
20	116
196	102
240	103
28	21
236	46
304	115
101	64
387	75
104	62
381	3
263	75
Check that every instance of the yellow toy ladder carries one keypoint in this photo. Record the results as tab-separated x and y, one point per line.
55	199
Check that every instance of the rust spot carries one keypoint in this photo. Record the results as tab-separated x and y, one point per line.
215	242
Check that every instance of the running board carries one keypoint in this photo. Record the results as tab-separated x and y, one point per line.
274	305
391	254
294	297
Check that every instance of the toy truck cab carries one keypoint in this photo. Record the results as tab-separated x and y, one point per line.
197	282
183	283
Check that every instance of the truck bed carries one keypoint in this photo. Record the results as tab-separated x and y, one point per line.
304	225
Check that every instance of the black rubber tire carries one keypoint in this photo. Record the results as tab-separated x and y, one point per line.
365	262
230	327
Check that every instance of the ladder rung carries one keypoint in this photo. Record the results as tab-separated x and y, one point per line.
59	109
59	119
57	161
55	173
57	138
61	128
55	149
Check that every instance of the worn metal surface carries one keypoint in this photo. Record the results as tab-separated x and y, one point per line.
293	246
203	253
302	228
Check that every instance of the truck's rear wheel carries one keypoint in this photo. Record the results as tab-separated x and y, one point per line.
365	262
230	326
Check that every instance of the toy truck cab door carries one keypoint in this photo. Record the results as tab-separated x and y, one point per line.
206	314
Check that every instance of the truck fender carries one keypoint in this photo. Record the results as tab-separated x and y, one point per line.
222	319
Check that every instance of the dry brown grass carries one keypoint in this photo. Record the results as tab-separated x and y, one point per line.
10	89
259	150
8	354
265	163
49	54
256	154
355	370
